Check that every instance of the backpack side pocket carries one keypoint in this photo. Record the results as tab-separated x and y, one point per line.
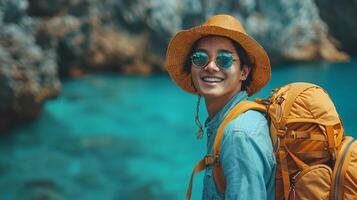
312	183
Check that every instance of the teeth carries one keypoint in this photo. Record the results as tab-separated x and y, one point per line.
212	79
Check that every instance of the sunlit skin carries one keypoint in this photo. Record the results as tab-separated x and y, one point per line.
227	82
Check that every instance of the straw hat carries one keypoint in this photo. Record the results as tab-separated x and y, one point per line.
221	25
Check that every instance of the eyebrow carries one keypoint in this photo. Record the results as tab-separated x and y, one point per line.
201	50
225	50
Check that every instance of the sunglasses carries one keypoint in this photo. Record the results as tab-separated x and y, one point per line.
224	59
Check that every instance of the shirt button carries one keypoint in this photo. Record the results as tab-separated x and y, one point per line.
209	132
208	174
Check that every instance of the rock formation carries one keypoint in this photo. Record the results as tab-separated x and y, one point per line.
42	40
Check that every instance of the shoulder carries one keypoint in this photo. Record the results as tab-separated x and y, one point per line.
249	133
251	122
250	128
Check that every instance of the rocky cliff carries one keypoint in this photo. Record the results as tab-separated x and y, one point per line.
41	41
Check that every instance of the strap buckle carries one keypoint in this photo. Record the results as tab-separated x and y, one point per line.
210	160
216	159
282	132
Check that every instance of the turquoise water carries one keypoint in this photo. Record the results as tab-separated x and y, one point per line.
117	137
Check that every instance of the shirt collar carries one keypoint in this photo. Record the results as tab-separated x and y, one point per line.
218	118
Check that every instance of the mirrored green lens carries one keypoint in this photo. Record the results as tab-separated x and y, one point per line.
200	59
224	60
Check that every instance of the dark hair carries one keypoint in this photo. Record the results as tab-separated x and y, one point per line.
243	58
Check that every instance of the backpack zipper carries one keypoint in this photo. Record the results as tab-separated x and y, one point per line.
292	193
345	151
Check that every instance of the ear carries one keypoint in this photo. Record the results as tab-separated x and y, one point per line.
244	73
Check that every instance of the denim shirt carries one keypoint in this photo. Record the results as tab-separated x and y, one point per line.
246	156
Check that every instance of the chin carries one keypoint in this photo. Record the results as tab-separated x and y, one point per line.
211	93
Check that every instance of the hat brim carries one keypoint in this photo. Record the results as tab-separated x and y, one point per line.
180	46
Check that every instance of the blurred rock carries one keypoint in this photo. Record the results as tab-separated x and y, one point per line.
45	8
292	30
13	11
341	17
92	46
97	42
132	36
41	40
28	75
288	30
42	189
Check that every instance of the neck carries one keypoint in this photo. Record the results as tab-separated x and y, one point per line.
214	105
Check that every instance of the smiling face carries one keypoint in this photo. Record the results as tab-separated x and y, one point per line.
213	82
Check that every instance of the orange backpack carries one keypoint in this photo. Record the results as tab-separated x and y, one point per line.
315	160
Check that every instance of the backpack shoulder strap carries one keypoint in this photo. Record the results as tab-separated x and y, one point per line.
235	112
214	160
340	168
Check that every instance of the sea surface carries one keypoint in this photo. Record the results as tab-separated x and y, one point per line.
117	137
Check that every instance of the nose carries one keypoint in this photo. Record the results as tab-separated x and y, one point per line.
211	67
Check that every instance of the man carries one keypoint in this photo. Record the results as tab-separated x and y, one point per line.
224	65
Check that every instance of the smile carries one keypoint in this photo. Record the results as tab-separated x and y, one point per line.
212	79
